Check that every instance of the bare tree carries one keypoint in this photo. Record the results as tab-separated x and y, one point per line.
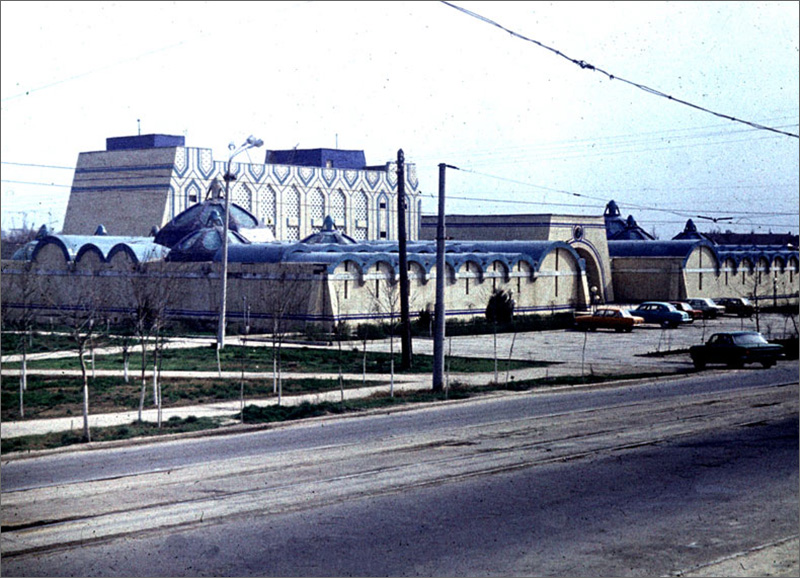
151	291
245	332
282	296
341	331
385	298
499	309
363	332
78	306
19	314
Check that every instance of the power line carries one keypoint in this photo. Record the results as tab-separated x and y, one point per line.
35	184
587	66
630	140
37	165
682	214
90	72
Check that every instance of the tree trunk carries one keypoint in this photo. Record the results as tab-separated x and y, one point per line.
510	351
495	351
341	379
87	436
364	366
155	374
126	359
144	378
24	374
157	381
22	390
280	376
391	364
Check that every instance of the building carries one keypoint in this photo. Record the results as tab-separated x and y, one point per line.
627	265
586	235
312	241
290	193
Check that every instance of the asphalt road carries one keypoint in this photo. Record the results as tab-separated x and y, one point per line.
652	479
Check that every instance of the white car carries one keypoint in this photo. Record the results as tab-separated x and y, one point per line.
710	309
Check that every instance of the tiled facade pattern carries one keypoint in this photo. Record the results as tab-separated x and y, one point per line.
154	185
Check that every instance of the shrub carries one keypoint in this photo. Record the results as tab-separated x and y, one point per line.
424	321
500	308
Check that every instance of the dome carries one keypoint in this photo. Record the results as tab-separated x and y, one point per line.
206	214
329	234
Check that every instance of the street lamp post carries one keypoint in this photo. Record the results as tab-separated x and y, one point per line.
251	142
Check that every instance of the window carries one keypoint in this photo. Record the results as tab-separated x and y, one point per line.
556	272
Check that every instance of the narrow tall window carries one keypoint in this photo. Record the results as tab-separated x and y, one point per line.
700	273
557	273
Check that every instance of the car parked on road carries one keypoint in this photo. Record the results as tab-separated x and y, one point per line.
608	318
685	307
661	313
709	308
735	349
739	306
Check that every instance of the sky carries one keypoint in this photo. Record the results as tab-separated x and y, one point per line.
529	130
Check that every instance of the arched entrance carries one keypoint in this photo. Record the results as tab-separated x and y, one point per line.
595	279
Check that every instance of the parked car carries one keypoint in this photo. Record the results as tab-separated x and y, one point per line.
739	306
683	306
660	313
608	318
709	308
735	349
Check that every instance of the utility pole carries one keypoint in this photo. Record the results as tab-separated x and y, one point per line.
441	272
439	309
401	237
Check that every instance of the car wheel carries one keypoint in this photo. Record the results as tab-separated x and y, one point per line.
665	324
619	329
767	364
737	364
699	363
628	329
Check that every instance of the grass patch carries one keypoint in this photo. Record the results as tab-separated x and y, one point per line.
104	434
57	396
294	359
11	342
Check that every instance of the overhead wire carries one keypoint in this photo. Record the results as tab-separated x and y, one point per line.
587	66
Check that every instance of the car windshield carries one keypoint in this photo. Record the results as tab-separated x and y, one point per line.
749	339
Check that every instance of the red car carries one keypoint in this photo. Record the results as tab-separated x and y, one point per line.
683	306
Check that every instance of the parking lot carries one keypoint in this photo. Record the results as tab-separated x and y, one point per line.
605	351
